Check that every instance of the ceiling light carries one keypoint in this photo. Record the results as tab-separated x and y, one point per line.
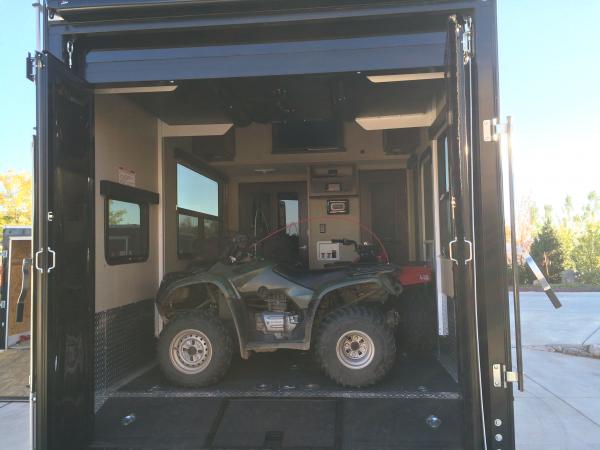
202	129
396	121
135	89
264	171
405	77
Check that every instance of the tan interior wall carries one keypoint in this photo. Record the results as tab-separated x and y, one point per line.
253	148
126	136
347	228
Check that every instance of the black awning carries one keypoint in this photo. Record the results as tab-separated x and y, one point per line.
392	52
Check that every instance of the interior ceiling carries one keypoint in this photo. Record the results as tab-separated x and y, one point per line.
279	99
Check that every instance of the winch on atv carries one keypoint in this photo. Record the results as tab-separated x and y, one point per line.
346	312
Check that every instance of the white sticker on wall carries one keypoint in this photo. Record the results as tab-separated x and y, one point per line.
126	176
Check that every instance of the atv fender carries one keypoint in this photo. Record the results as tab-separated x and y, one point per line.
232	300
382	280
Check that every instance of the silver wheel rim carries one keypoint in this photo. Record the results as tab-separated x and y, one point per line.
355	349
190	351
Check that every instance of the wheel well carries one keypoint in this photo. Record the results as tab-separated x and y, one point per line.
349	295
192	297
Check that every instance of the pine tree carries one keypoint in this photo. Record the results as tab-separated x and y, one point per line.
586	254
547	251
567	233
586	251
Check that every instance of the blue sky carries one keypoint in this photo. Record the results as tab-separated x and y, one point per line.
549	71
197	192
17	94
549	83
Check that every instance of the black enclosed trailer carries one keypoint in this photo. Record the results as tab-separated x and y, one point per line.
383	111
15	295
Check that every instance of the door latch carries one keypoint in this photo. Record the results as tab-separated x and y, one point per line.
70	48
501	377
468	41
493	129
30	67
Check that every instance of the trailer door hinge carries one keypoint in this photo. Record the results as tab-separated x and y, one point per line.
493	129
501	376
468	41
70	48
30	67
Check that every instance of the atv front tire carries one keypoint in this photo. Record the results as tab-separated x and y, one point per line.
355	346
194	350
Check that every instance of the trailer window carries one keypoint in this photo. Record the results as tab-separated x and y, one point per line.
126	233
198	207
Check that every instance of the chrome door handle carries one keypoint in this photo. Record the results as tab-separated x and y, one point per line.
53	253
470	258
37	261
450	254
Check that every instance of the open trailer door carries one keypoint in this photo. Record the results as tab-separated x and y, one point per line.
456	252
63	258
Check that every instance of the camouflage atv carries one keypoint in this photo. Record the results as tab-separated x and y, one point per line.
345	313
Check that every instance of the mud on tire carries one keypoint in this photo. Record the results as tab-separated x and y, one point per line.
194	349
355	346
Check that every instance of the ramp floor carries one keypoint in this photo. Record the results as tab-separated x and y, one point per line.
293	424
292	374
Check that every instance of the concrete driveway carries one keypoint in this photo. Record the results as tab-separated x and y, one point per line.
577	322
14	426
560	408
14	373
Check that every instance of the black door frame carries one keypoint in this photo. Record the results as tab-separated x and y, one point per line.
63	311
489	233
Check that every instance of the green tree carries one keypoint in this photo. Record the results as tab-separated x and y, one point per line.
547	251
116	217
586	253
591	211
15	199
567	233
534	217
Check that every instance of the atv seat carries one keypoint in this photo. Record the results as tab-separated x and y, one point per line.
311	279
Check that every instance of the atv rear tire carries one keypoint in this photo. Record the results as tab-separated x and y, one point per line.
194	350
355	346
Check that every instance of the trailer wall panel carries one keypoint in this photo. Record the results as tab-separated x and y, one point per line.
125	137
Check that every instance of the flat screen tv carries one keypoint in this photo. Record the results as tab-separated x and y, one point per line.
308	136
